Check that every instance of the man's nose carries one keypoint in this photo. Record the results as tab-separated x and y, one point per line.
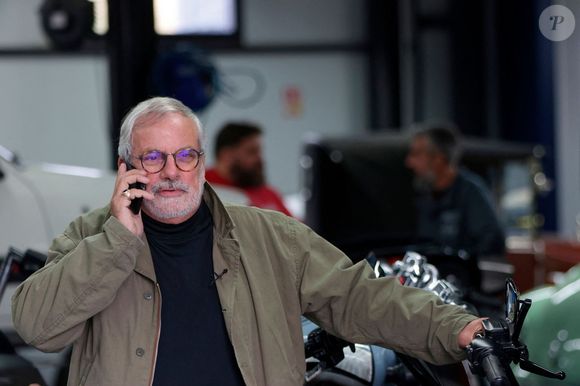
170	169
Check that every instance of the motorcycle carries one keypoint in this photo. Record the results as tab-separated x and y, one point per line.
332	361
14	369
552	331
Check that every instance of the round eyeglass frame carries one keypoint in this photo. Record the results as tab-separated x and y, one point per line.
200	153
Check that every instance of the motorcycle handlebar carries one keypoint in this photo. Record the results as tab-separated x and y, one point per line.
494	371
484	360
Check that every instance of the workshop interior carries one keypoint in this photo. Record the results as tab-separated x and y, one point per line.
340	89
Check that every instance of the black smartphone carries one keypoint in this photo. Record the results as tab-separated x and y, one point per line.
135	205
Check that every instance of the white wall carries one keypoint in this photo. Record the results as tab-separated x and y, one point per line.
303	21
567	95
20	24
334	95
333	86
55	109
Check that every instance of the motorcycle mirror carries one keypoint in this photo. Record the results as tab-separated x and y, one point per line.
512	304
515	310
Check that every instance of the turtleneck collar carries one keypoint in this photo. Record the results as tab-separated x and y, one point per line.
178	233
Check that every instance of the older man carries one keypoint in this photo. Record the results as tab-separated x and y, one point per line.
455	209
192	291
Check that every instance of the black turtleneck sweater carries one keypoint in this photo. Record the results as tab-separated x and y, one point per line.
194	347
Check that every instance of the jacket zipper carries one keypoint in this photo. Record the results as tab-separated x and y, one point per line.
152	372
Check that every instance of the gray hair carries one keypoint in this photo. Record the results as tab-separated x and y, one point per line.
443	137
150	111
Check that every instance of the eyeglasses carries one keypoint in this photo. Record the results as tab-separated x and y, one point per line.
185	159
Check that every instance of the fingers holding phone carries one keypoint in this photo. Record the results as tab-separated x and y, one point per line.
128	195
136	201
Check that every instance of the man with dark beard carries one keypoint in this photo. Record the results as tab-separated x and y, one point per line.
239	164
454	206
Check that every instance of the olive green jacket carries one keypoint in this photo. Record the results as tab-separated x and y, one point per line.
98	292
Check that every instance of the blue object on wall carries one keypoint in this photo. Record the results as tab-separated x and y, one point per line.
186	74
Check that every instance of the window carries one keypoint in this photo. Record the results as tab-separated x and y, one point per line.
183	17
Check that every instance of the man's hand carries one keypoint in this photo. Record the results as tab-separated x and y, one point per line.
468	333
121	200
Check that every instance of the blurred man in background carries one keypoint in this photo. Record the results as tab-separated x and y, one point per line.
455	208
239	164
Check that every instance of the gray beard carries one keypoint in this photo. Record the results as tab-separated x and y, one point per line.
165	208
423	184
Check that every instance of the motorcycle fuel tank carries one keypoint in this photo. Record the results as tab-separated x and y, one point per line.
552	331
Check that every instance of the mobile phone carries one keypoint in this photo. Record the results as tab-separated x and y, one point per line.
135	205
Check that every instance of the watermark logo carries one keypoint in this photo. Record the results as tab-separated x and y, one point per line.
557	23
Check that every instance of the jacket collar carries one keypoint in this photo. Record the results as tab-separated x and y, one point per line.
223	222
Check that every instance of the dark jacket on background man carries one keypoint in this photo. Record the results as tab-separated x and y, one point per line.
98	292
461	218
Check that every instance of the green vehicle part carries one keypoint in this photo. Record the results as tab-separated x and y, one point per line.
552	331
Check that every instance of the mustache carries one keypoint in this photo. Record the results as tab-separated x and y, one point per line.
170	185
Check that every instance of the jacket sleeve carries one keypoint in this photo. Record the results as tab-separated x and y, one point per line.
349	301
81	277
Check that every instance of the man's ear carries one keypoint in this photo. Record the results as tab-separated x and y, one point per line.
120	161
